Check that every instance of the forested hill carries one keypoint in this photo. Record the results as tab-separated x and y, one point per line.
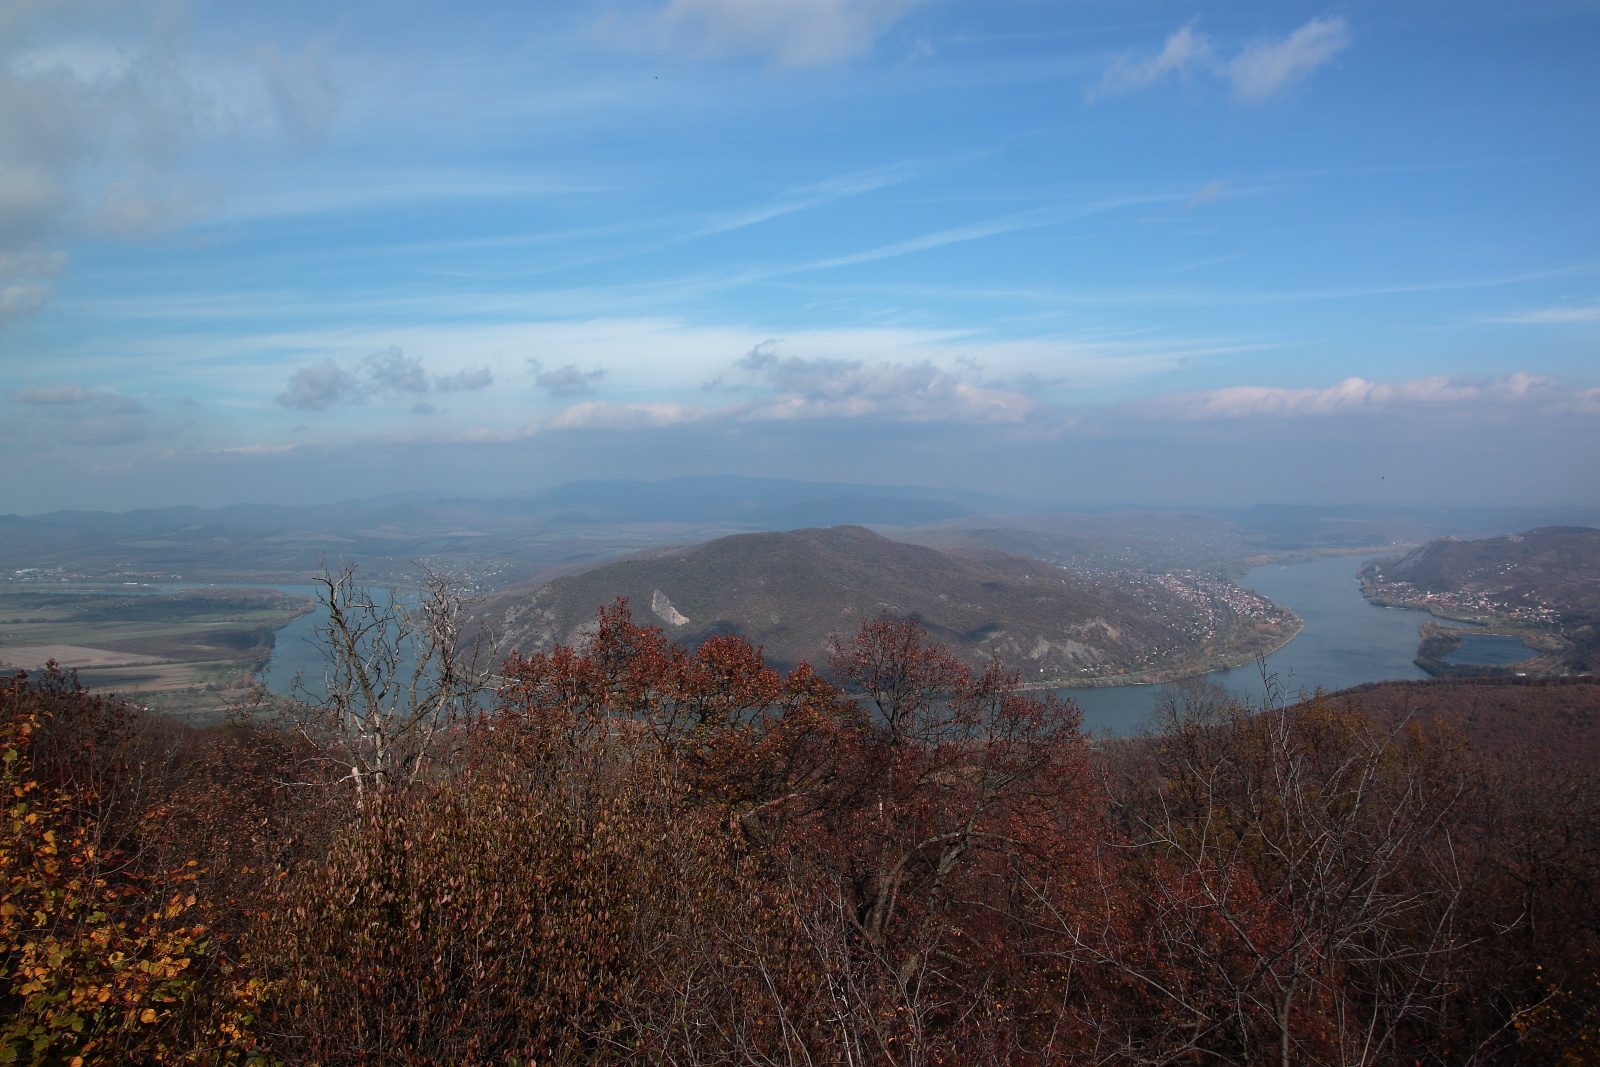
1557	565
794	593
1545	580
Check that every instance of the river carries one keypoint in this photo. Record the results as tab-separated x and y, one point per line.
1345	641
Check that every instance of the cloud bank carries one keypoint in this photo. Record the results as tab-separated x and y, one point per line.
1356	396
73	414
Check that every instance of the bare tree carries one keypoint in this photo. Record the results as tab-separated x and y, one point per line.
396	676
1285	888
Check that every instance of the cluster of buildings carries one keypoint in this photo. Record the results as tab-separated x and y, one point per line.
62	576
1500	604
1222	601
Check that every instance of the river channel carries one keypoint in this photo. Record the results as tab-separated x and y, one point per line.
1345	641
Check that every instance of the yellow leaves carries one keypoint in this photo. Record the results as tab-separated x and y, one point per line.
147	1016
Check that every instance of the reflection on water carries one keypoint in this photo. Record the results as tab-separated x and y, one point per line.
1345	641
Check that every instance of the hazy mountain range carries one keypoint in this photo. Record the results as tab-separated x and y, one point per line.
517	538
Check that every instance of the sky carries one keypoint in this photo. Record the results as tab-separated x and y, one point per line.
1081	252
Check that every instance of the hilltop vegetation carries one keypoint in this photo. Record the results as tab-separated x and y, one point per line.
1543	585
647	854
1557	718
793	594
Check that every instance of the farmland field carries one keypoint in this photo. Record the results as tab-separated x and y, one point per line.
190	653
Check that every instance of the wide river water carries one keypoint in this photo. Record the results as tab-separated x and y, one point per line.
1345	641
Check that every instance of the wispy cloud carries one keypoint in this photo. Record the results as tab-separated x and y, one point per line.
63	393
907	392
1557	315
790	33
1022	220
302	89
812	196
70	413
1260	71
26	276
1184	52
1268	67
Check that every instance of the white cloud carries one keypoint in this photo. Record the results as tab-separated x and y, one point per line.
1184	52
567	380
793	33
1354	396
1267	67
602	415
1262	70
321	386
393	370
389	372
798	389
99	106
905	392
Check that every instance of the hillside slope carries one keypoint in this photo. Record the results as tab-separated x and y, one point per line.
1544	582
1557	718
795	593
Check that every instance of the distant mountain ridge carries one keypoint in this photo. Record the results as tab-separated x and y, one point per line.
796	593
497	542
534	535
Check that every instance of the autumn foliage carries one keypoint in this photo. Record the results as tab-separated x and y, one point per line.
645	853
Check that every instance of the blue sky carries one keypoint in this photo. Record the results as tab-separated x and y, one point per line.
1084	252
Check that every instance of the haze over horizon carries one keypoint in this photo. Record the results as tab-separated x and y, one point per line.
1078	253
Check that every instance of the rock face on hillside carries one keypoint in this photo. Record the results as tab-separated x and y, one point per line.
796	594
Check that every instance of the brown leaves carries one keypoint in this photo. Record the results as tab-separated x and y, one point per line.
657	855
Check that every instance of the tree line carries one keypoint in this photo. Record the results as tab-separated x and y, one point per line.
630	852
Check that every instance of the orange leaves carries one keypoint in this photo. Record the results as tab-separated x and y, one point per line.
101	956
80	968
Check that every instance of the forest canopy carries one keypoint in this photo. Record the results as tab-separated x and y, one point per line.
635	852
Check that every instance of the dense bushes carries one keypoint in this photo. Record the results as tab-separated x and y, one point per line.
646	854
